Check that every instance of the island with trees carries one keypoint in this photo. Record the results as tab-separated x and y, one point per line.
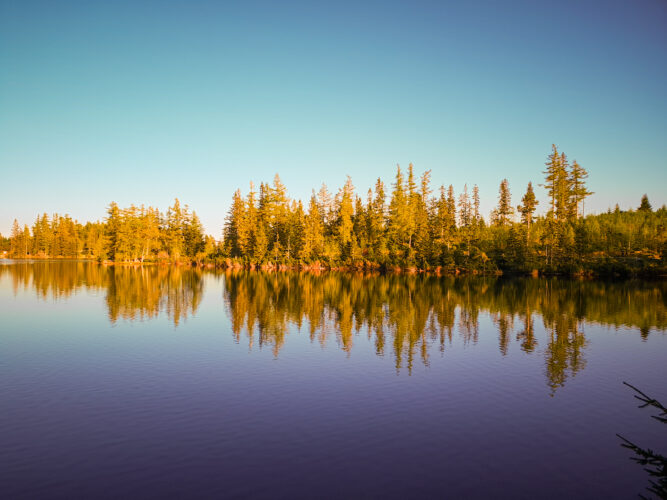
410	227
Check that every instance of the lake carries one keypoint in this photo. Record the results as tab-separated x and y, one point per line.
165	382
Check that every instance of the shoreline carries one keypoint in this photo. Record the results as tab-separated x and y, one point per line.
373	269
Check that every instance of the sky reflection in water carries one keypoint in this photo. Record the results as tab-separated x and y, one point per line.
290	384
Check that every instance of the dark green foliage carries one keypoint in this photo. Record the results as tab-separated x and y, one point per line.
645	206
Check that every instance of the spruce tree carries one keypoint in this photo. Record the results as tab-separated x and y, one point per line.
475	203
345	212
235	232
174	230
25	241
248	227
397	224
504	211
413	200
313	232
193	237
15	240
528	205
376	215
261	244
113	222
325	206
553	179
295	230
422	233
645	205
465	211
149	234
451	209
578	190
563	190
440	223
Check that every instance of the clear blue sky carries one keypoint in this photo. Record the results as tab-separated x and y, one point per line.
141	102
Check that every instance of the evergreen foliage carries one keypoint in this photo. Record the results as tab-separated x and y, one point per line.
645	205
411	227
133	234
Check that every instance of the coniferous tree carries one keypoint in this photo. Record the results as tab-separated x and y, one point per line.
475	203
578	190
149	232
25	241
645	205
15	240
376	215
413	200
261	244
440	223
113	222
313	233
451	209
398	221
554	180
127	244
360	220
325	207
276	215
173	231
465	223
41	236
465	208
345	210
417	229
293	231
422	233
504	211
235	236
528	205
247	229
193	237
563	190
96	244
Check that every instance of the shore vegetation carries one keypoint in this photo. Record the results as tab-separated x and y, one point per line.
408	226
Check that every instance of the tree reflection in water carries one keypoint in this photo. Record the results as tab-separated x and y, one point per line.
142	292
405	316
132	292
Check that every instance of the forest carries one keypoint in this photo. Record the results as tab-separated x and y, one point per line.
408	227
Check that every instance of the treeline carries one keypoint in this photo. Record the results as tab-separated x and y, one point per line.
134	234
416	229
408	226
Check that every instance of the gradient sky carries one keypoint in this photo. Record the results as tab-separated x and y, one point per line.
141	102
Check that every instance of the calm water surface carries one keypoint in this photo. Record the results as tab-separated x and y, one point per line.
159	382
